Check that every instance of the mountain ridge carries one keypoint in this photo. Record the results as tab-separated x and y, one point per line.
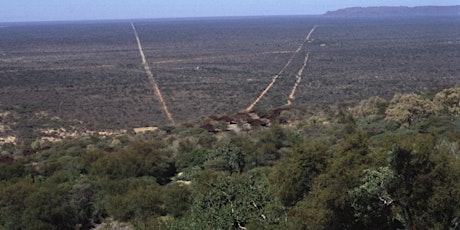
383	11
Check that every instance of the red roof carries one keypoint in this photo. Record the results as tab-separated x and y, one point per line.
27	152
257	122
6	159
208	127
225	118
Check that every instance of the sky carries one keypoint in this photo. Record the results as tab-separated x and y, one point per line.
69	10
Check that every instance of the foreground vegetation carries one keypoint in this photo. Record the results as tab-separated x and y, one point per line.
378	165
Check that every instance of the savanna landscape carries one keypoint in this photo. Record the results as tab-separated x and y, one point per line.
281	122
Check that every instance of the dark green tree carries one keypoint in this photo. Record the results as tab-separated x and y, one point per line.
293	177
138	160
84	196
11	170
50	207
12	203
137	205
419	188
327	205
230	202
372	202
227	157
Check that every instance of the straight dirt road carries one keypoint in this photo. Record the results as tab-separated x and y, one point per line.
299	74
149	73
307	38
309	34
298	79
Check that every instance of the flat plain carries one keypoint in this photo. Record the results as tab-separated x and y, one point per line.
90	76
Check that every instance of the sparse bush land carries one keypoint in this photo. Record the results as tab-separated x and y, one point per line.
88	75
327	169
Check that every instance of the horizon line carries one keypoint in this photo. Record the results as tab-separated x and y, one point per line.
163	18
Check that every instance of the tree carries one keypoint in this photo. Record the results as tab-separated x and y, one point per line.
371	201
443	207
409	182
230	202
84	195
327	205
194	158
12	203
267	148
11	170
50	207
449	99
408	108
274	135
137	205
419	188
177	199
293	177
227	157
372	106
139	159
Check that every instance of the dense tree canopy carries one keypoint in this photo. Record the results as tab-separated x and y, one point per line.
358	170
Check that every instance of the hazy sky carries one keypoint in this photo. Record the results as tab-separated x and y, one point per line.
50	10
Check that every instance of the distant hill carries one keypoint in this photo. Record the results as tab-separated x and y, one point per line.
384	11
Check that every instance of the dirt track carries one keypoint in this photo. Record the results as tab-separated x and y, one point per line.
298	79
149	73
309	34
307	38
299	74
